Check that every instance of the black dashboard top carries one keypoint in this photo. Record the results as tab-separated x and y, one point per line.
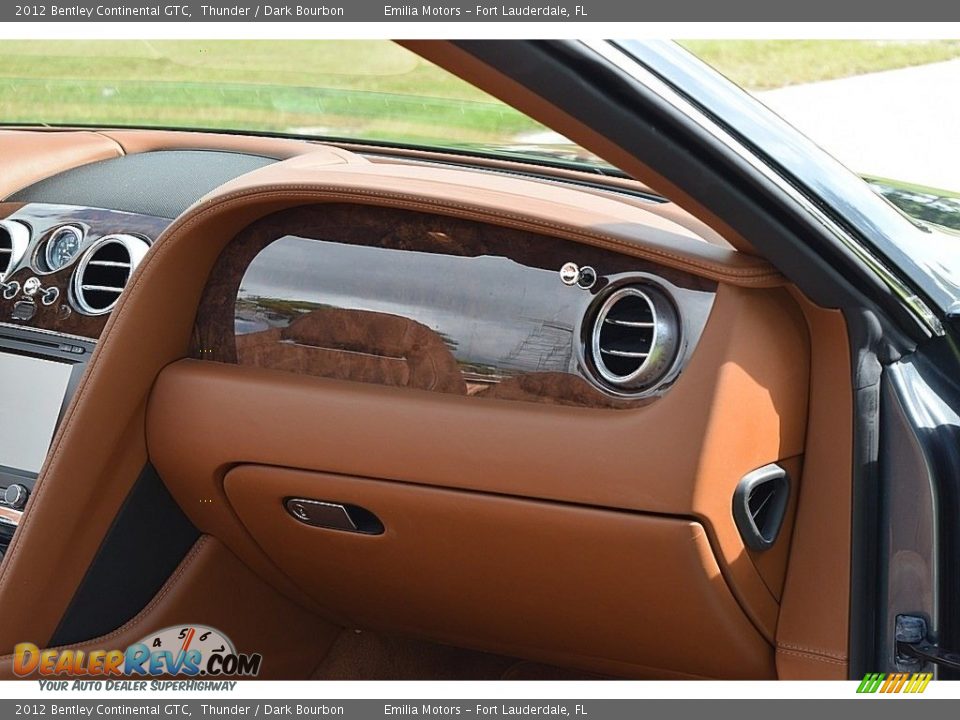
159	184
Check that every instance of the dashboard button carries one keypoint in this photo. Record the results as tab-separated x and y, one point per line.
31	286
16	496
24	310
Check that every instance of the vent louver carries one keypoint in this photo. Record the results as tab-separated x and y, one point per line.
14	239
103	272
634	338
759	505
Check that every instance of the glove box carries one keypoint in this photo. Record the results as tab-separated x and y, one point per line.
603	590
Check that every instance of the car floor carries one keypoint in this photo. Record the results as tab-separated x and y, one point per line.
358	655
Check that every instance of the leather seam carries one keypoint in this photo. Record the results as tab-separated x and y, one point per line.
817	657
815	651
140	616
756	275
121	150
197	214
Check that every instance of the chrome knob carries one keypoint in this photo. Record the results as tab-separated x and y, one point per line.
587	277
31	286
11	289
49	295
16	496
569	273
572	274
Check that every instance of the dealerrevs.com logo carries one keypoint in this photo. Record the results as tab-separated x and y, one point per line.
191	651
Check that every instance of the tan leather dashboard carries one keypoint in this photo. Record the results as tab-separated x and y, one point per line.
571	535
473	570
511	202
30	156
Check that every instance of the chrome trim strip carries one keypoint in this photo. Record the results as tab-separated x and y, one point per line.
19	233
52	333
624	353
619	58
136	249
629	323
9	516
103	288
108	263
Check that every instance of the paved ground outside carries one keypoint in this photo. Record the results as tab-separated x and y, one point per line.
899	124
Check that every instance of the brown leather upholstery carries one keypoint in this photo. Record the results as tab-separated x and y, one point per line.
742	402
812	635
140	141
739	404
511	201
466	66
211	587
587	588
32	156
554	388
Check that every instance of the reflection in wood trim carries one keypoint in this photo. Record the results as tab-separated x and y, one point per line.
416	300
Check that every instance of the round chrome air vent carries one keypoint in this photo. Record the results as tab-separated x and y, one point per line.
634	338
14	239
103	272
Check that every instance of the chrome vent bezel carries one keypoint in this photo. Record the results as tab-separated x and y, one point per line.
18	234
41	260
658	340
135	247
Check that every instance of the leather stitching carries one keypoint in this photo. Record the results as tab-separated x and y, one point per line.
140	616
816	657
750	274
815	651
758	276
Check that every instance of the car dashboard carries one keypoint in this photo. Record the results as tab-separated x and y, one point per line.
527	392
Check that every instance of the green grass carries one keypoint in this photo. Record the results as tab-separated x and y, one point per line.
364	89
766	64
372	90
373	65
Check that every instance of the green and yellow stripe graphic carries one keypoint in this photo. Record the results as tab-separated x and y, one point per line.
895	683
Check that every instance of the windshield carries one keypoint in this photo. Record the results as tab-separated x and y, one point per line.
928	259
373	91
378	92
884	108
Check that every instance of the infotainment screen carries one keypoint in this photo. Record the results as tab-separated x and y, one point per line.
31	395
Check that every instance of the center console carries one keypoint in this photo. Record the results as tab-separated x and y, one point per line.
39	372
62	269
